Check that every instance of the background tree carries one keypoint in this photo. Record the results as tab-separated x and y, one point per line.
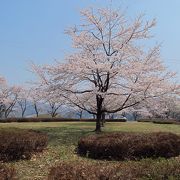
3	84
48	96
8	96
22	100
54	105
162	107
11	96
35	98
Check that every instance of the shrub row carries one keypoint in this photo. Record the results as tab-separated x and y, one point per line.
8	120
157	121
159	170
20	144
122	146
7	173
144	120
166	122
34	119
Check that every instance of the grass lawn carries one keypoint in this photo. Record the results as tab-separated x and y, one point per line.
63	138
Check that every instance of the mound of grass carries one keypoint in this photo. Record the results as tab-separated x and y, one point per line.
7	173
133	146
20	144
103	171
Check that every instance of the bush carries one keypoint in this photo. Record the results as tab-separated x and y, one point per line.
81	171
7	173
152	170
122	146
160	170
20	144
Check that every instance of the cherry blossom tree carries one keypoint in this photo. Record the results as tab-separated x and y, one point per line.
3	84
22	100
111	69
8	95
80	113
162	107
47	95
54	104
77	111
11	96
35	98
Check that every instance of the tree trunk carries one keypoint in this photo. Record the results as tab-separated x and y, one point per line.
23	112
103	119
98	123
36	110
6	114
53	114
99	101
80	115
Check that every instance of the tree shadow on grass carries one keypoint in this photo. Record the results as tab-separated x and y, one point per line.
65	136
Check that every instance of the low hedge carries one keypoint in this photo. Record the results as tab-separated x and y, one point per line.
7	173
159	121
166	122
145	120
149	169
9	120
122	146
20	144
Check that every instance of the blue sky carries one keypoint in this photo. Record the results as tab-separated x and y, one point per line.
33	30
